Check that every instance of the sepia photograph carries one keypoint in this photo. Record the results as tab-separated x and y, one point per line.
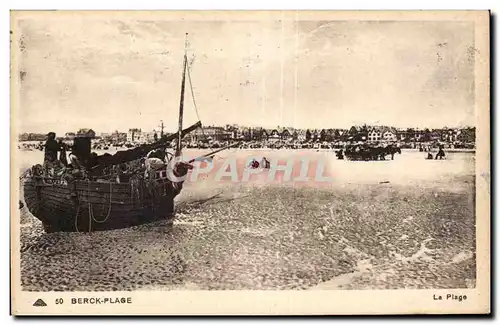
260	162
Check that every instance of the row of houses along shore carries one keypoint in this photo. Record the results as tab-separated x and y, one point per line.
355	133
285	134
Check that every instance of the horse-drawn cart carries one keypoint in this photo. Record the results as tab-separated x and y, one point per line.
367	152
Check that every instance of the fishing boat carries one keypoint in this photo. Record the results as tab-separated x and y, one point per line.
95	202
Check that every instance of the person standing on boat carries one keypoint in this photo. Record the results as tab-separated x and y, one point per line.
51	149
62	153
75	164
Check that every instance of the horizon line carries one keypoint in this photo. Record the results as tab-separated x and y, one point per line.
277	127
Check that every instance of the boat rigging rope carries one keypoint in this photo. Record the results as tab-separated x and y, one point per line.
192	96
24	174
91	210
90	220
192	92
77	214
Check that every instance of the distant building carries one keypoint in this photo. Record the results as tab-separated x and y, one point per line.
339	134
402	134
88	133
357	133
264	135
375	134
286	135
245	134
381	133
448	135
118	136
105	136
389	134
147	137
355	129
467	135
273	135
418	135
134	135
316	135
24	137
258	134
301	135
211	133
32	137
434	135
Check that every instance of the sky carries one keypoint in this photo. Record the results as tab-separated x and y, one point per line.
110	74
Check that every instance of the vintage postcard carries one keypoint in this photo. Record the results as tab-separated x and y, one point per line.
250	162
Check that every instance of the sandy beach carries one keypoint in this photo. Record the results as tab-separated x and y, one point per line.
402	223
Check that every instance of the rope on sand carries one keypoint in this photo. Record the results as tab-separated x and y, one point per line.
91	210
77	214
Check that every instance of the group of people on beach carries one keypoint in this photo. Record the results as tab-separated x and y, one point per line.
264	163
83	162
440	154
51	160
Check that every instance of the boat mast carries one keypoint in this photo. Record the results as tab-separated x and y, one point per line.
181	106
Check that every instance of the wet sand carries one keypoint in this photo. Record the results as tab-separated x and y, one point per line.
406	223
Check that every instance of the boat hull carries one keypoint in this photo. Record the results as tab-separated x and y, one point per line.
96	206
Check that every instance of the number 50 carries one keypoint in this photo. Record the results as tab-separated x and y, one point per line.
59	301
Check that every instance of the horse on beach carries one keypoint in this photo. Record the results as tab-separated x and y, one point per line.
391	150
379	153
367	153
